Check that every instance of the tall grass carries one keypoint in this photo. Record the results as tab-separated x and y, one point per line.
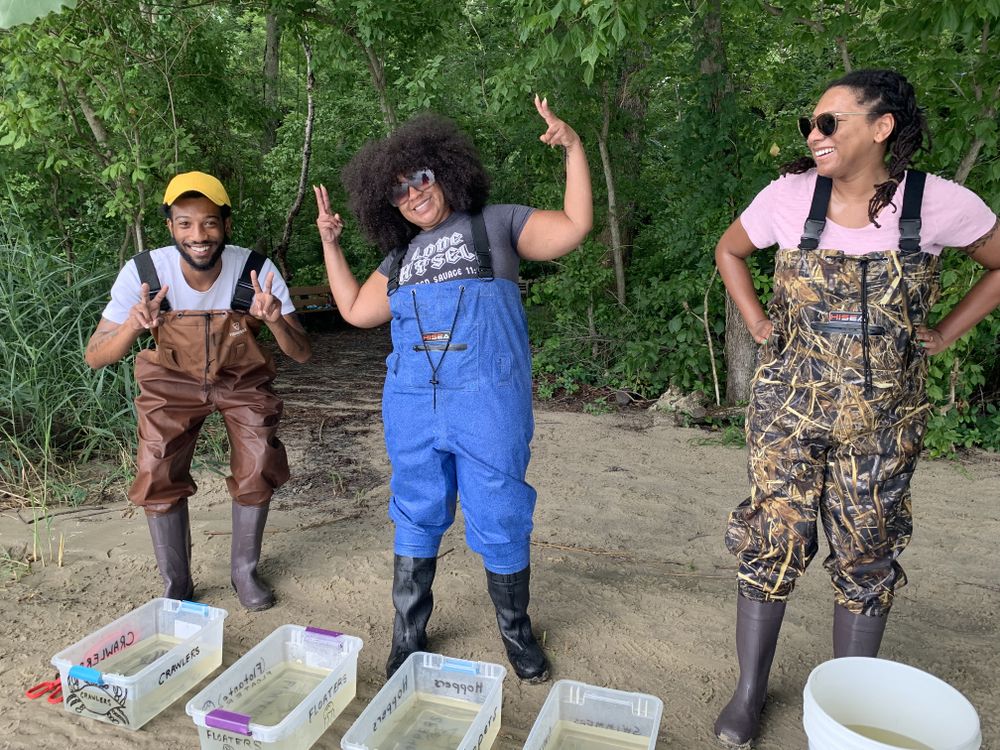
55	412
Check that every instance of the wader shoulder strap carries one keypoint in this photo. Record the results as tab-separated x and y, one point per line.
481	246
394	268
147	275
817	214
243	294
909	218
481	242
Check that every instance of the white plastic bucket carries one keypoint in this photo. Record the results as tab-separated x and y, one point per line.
884	695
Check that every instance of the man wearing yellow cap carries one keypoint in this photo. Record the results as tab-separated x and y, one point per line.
203	302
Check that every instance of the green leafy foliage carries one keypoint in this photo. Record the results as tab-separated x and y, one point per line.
54	410
100	104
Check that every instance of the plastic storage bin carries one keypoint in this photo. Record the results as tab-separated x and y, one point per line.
130	670
432	703
585	717
282	694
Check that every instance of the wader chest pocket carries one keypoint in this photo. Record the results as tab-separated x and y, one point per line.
503	367
454	368
440	347
166	356
236	352
851	329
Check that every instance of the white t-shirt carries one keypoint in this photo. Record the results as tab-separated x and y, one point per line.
167	261
951	216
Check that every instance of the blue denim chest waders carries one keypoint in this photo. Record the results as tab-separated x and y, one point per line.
458	421
456	409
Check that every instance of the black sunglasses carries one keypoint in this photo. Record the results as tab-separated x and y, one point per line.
419	181
826	123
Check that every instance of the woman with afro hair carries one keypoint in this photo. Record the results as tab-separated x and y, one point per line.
837	407
456	405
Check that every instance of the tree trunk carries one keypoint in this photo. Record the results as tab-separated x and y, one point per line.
740	347
377	70
989	112
272	46
281	253
617	256
741	355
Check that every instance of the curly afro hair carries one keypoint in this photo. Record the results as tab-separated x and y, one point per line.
426	141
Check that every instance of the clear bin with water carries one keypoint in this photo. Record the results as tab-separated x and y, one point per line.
130	670
576	716
433	702
282	694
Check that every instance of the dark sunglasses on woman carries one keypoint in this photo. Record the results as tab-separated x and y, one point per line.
419	181
826	123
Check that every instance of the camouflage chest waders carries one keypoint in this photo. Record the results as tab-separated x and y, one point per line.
206	361
837	415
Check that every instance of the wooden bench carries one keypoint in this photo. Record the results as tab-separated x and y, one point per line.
312	299
315	299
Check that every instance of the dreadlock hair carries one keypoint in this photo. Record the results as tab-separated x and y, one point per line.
426	141
883	92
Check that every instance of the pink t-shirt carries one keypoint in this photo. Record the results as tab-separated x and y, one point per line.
951	216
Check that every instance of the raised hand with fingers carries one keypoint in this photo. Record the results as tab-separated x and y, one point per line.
558	132
330	224
265	306
146	313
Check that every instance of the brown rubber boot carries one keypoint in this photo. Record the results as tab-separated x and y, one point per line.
248	534
757	627
171	536
856	635
510	595
412	578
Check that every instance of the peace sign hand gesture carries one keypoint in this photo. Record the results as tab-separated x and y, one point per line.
558	132
330	225
145	314
265	306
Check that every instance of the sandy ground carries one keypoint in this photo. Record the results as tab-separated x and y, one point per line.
632	586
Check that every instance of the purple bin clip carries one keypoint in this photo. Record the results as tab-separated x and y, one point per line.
228	721
326	633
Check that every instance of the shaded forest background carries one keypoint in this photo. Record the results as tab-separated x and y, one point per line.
686	109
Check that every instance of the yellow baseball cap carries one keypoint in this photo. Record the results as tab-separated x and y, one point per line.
196	182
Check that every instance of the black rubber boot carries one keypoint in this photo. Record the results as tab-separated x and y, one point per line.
510	594
171	535
412	578
757	627
856	635
248	534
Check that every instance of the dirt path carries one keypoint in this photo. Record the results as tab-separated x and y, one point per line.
632	587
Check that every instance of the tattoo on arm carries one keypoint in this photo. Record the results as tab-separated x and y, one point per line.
972	249
98	339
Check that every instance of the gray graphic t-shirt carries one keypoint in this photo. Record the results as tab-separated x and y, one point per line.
447	252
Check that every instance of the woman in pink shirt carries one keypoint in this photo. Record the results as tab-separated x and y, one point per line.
837	409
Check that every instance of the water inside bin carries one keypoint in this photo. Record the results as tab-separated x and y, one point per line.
141	655
428	722
888	737
272	699
568	735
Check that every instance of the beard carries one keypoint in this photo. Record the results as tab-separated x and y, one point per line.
208	264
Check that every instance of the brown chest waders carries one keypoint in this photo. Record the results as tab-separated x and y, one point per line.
837	416
207	361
